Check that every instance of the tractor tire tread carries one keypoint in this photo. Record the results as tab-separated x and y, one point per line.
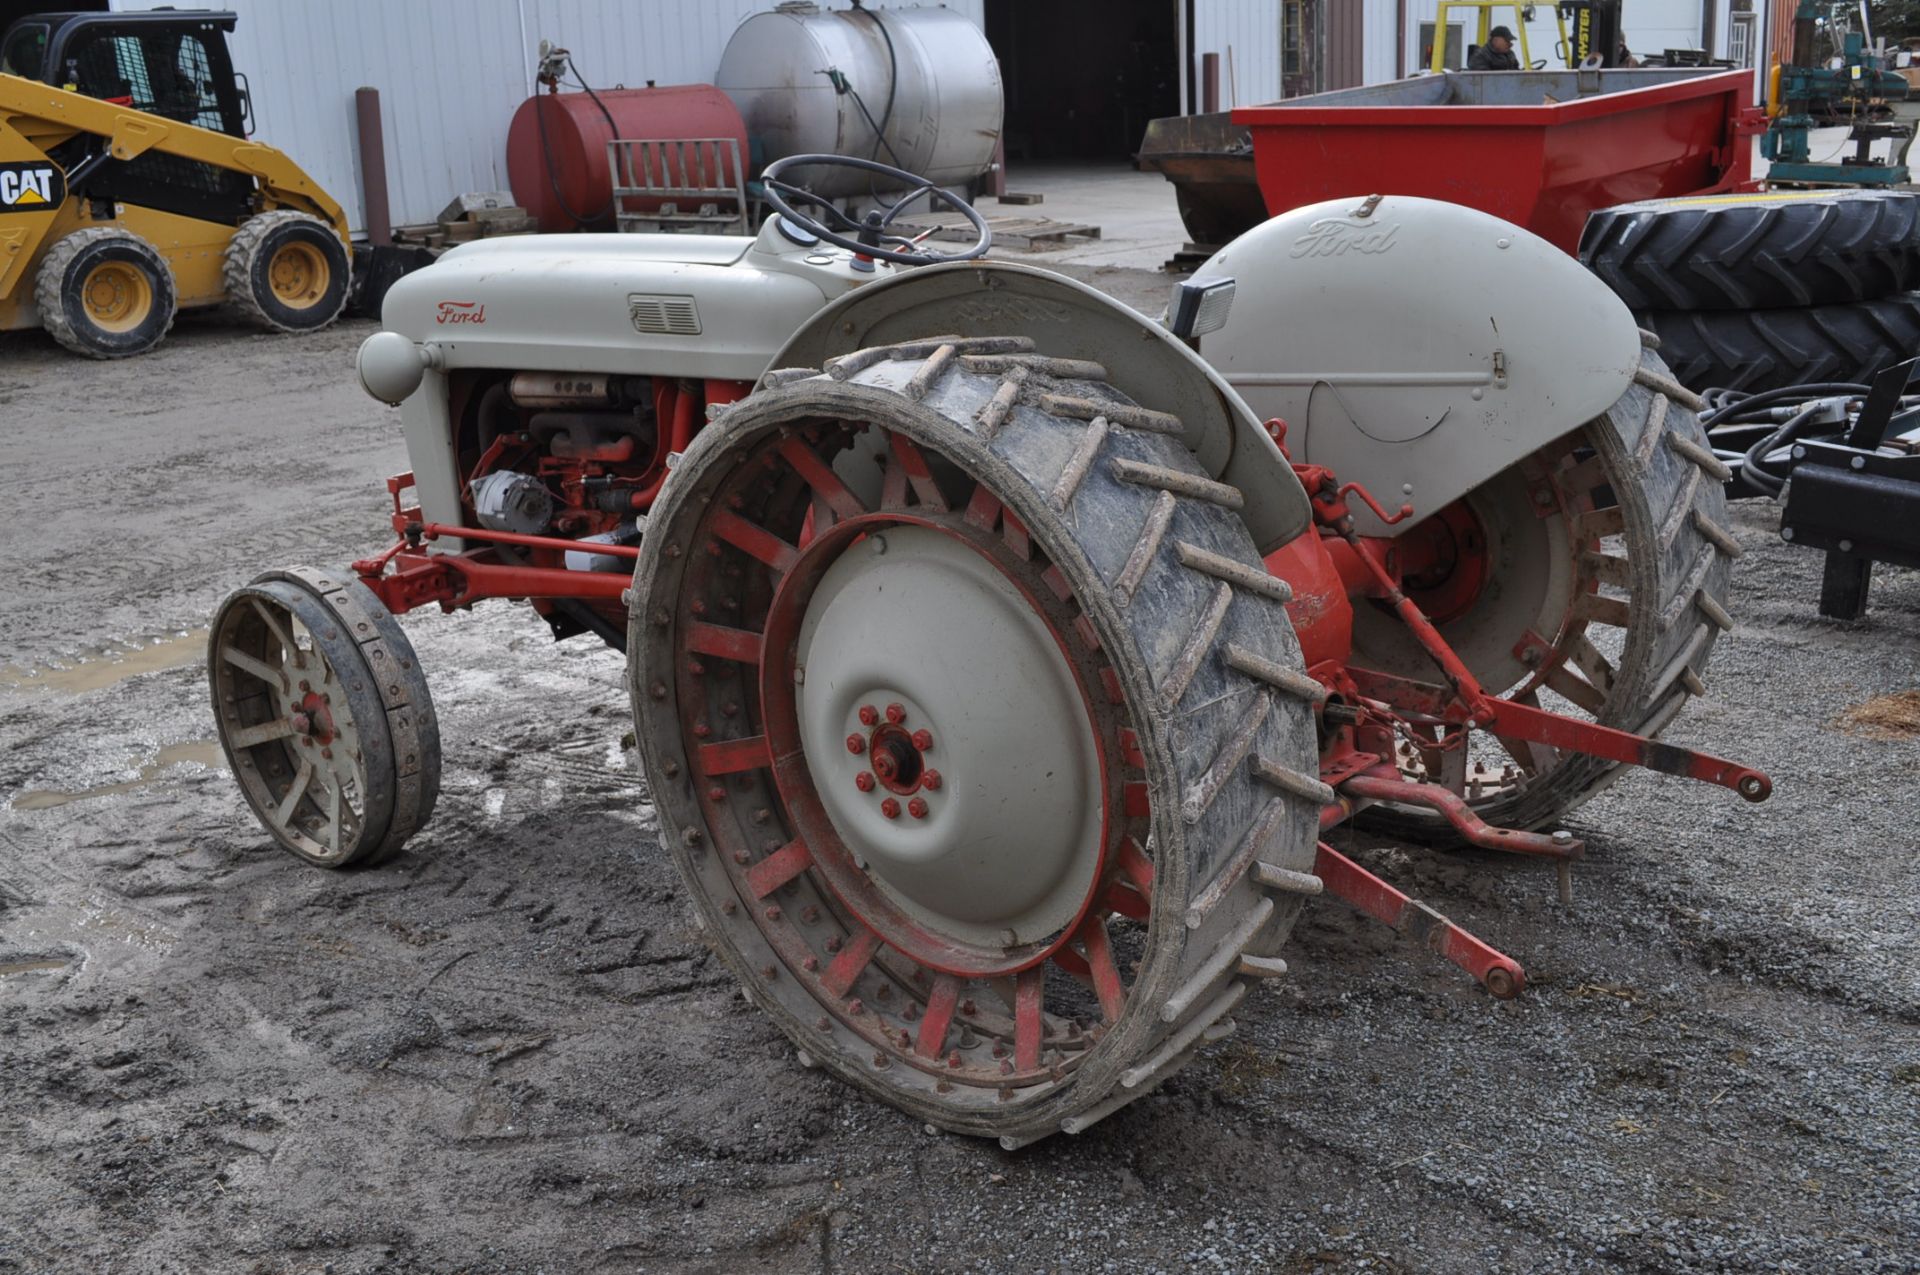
1820	248
1127	550
1765	349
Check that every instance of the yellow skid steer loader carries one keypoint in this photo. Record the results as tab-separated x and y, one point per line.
129	189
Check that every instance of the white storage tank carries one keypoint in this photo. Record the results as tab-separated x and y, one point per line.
801	76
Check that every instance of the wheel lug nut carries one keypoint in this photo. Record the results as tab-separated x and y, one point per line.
856	744
896	714
923	740
701	730
834	944
810	964
890	808
869	715
917	808
863	781
716	793
930	780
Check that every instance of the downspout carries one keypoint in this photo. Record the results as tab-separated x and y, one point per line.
1400	50
1709	25
1187	77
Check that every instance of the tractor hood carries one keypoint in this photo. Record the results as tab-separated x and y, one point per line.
691	306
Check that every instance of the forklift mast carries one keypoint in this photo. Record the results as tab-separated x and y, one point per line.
1593	30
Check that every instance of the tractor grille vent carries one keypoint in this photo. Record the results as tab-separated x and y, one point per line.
669	316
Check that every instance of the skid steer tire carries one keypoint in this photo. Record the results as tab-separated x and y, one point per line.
1646	519
1765	349
105	293
1149	588
288	272
1761	251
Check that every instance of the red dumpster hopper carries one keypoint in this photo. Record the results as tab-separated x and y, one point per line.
1541	149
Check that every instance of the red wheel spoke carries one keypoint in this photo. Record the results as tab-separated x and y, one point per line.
983	511
847	966
739	645
1121	897
1139	805
1130	750
1106	975
893	486
1138	867
778	868
1029	993
940	1006
729	756
755	540
918	474
1015	533
820	476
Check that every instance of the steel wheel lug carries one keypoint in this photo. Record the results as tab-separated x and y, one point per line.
890	808
856	1006
834	944
701	730
930	780
923	740
856	744
810	964
896	714
716	793
869	715
772	914
742	858
917	808
696	668
863	781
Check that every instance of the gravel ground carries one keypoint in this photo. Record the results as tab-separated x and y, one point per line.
509	1052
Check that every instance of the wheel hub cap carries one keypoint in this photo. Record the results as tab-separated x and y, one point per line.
917	650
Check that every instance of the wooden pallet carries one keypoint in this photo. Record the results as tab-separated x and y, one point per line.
1008	231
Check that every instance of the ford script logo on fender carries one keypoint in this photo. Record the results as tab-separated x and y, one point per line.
34	187
461	312
1333	237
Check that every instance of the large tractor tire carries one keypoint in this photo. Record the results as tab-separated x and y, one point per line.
105	293
1750	252
324	716
974	728
1764	349
288	272
1589	579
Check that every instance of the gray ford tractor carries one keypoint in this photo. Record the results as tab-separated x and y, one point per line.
998	655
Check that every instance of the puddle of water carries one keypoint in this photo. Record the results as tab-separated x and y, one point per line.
28	967
204	752
107	668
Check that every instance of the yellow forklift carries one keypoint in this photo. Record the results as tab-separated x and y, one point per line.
129	189
1589	30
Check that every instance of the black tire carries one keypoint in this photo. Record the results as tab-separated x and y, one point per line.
1203	664
288	272
1655	552
105	293
385	746
1750	252
1762	349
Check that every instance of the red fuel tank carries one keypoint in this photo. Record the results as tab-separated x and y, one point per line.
557	147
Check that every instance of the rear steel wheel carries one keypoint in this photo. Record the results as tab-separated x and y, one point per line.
1590	579
324	717
964	701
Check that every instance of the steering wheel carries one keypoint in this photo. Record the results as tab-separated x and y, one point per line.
870	233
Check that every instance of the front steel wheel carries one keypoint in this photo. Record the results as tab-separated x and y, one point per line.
967	708
324	716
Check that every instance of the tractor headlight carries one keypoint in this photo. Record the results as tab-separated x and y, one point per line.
1200	308
391	366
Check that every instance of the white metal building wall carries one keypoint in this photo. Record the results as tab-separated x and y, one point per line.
450	75
1250	29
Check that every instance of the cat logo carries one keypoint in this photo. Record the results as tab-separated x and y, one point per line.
31	188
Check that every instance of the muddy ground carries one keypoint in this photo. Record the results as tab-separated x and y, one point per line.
509	1052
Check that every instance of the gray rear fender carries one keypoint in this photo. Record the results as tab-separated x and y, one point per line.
1070	320
1414	346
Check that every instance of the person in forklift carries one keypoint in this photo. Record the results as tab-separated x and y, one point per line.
1496	54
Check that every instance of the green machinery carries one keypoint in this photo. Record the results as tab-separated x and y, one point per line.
1802	96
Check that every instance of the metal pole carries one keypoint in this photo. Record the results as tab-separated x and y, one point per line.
1209	83
373	167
